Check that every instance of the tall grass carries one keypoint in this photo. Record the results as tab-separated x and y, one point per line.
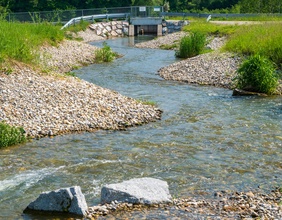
257	74
210	28
191	45
264	39
20	41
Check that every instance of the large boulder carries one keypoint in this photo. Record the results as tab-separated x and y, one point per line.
146	191
68	200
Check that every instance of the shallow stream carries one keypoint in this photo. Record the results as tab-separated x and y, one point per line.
206	141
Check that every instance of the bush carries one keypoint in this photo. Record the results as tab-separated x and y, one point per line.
10	135
257	74
105	54
191	45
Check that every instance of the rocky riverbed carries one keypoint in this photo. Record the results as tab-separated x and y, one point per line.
223	205
47	104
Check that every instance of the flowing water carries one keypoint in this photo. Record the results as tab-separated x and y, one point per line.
206	141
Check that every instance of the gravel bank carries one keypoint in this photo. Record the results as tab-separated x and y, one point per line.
160	41
216	69
213	69
47	105
223	205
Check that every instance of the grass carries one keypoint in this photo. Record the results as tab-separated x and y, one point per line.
10	135
105	54
170	46
191	45
81	26
147	102
209	28
264	39
262	17
257	74
20	41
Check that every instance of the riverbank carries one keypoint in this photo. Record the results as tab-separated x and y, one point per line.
47	104
223	205
212	69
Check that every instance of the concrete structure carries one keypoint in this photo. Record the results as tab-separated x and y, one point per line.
146	20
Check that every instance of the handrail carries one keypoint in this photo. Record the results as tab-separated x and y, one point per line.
93	17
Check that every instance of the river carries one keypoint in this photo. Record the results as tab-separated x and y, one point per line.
207	140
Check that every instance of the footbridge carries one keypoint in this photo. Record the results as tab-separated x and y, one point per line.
142	19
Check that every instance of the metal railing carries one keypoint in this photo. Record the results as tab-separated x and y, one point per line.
60	16
64	16
93	17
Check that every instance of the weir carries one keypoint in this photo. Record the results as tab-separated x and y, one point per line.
142	19
146	20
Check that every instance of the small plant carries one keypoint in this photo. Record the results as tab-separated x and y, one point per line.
191	45
169	46
10	135
105	54
257	74
70	74
147	102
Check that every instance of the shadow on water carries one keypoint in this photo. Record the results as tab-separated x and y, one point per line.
206	141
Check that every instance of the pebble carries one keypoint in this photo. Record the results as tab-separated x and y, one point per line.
224	205
211	69
48	104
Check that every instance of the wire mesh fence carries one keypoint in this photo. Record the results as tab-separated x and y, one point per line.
63	16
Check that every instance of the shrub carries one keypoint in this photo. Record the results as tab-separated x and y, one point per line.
257	74
191	45
10	135
105	54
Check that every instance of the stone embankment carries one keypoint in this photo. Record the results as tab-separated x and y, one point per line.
110	29
52	104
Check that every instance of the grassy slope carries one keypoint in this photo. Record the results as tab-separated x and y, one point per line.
20	41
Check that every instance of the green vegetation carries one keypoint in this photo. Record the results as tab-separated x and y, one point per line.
10	135
81	26
72	74
257	74
105	54
264	39
147	102
209	28
191	45
20	41
170	46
